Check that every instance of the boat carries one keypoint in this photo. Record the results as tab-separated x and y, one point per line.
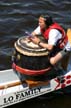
14	88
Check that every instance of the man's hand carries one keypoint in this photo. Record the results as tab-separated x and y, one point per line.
35	39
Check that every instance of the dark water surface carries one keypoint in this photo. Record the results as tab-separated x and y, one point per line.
17	16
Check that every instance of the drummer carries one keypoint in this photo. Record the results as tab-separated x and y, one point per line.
57	40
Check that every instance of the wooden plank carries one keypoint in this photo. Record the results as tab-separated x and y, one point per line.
69	34
32	83
12	84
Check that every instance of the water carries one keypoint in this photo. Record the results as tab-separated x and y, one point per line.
18	16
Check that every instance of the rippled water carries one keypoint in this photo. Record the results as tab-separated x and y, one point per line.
17	16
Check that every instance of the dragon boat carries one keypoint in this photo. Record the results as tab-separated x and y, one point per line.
31	74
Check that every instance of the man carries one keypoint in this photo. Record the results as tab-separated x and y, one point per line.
57	40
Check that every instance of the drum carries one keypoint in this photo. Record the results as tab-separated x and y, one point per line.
30	60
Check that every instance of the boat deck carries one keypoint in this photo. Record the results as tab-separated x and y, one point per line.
8	76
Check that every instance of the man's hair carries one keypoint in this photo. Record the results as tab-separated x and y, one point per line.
48	19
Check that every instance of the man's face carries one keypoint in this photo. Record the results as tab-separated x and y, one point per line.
42	23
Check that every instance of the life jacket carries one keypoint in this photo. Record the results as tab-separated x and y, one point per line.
61	42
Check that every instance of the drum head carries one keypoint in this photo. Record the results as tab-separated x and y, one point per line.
27	47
